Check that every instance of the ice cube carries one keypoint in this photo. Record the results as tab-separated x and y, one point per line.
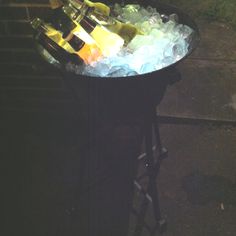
155	21
174	17
184	31
132	18
146	68
156	33
168	27
132	73
119	71
166	61
99	69
145	14
131	8
147	54
131	13
180	49
151	10
139	41
144	26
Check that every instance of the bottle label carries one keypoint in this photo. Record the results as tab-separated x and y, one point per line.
76	43
87	24
82	34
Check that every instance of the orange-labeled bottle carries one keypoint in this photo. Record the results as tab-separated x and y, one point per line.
109	43
89	52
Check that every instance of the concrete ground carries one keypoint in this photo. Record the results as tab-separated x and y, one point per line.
197	182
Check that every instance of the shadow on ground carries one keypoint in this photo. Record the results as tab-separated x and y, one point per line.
202	189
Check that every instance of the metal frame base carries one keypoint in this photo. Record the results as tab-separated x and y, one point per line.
152	162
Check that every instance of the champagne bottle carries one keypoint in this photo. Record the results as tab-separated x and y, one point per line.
109	43
53	48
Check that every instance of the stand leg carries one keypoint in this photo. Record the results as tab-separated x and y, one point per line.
152	169
162	152
152	186
141	217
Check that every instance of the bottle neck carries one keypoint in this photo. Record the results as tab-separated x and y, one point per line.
73	12
62	20
39	25
77	3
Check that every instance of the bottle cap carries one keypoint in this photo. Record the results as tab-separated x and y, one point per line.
55	4
35	23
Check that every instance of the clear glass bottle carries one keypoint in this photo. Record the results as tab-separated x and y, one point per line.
58	19
126	31
89	52
50	42
109	42
86	6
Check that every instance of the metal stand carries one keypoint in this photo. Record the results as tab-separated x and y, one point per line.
152	163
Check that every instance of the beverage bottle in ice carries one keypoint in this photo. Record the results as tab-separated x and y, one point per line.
125	30
57	17
50	44
109	43
88	51
82	43
86	6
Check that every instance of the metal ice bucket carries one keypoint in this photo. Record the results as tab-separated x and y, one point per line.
132	94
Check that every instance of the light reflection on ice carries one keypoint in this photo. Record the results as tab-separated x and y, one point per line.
163	43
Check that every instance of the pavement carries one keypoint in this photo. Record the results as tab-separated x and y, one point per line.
197	182
208	87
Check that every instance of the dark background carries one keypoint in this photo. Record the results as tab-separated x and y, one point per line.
44	135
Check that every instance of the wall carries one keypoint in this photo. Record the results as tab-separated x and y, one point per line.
27	83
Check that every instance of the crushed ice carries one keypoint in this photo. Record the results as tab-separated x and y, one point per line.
164	42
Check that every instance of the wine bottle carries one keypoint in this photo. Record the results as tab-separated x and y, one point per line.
109	43
53	48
